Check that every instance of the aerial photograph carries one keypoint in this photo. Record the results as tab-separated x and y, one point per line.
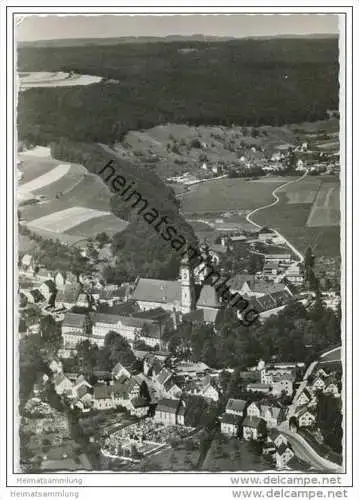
178	267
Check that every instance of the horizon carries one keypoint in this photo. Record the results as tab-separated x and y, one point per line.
36	28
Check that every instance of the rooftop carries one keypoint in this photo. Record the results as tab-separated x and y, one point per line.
153	290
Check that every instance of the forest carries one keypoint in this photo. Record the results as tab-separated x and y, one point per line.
242	82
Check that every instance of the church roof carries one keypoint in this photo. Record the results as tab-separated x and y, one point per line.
152	290
208	297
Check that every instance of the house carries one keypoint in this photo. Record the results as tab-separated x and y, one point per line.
148	331
181	415
270	270
265	234
278	258
62	384
35	296
208	391
277	437
303	398
271	303
250	286
283	382
163	376
273	415
126	390
264	388
305	418
75	328
60	280
27	265
236	407
67	297
283	455
254	410
318	384
47	288
103	397
294	274
167	411
191	369
230	424
83	301
332	388
81	392
139	407
112	294
120	371
74	322
250	376
103	323
148	361
253	428
171	389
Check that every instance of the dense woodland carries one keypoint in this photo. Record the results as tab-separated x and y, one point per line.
139	248
245	82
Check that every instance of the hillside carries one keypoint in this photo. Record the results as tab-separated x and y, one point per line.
244	82
139	248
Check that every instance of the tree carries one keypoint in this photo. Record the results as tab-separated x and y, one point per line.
86	357
329	419
116	349
103	238
50	331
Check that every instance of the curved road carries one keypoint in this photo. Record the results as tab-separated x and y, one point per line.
276	200
305	452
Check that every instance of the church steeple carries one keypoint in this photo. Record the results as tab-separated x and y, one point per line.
187	286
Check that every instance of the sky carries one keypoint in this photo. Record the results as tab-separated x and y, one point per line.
35	27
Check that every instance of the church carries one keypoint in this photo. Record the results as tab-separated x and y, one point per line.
186	296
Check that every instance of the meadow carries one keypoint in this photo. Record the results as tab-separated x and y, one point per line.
229	194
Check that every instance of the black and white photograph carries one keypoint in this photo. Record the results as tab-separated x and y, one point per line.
178	277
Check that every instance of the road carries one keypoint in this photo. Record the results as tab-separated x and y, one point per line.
305	452
276	200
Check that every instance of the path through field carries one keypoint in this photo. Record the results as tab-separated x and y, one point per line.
276	200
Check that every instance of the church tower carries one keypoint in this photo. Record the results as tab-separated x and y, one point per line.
187	286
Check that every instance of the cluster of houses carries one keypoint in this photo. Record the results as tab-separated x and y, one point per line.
303	409
259	421
154	391
254	418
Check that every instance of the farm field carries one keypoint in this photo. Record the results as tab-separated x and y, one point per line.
33	166
326	208
295	222
44	180
90	192
304	191
229	194
59	222
108	223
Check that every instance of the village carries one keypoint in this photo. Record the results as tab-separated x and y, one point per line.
163	396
